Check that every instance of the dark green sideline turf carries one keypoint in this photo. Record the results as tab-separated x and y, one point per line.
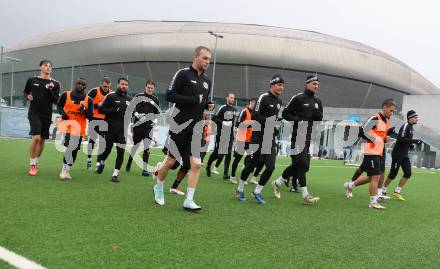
5	265
89	222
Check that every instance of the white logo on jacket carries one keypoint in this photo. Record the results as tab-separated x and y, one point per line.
205	85
50	85
316	105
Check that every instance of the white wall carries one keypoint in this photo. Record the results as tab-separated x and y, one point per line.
426	106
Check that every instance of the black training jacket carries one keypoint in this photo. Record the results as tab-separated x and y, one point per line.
184	91
45	93
304	106
114	107
268	105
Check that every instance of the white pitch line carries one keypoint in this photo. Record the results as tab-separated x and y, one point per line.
17	260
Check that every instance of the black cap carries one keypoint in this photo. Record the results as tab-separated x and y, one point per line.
276	79
411	114
311	78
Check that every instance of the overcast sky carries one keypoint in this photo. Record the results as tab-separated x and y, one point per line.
407	30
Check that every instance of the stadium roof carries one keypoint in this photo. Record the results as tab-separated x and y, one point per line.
132	41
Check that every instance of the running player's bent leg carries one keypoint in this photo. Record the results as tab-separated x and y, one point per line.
300	164
91	141
146	152
237	159
219	160
180	176
40	147
44	135
69	160
108	149
36	140
166	166
194	172
374	181
227	163
72	144
269	163
288	172
119	157
246	159
139	134
357	173
258	169
303	166
93	138
395	165
361	181
193	177
357	178
373	185
214	155
394	169
39	130
202	156
406	167
131	156
90	147
382	174
145	158
253	161
371	164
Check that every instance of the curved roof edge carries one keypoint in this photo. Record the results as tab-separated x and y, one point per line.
289	48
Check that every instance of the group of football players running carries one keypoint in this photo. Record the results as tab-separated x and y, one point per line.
106	114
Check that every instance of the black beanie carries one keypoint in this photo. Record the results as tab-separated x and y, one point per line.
411	114
311	78
276	79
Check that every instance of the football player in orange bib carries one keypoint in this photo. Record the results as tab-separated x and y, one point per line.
75	108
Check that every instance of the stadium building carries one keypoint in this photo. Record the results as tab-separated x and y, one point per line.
352	75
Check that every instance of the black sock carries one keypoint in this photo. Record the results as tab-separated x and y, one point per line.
175	184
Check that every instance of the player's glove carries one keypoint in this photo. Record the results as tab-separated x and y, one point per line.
83	108
140	116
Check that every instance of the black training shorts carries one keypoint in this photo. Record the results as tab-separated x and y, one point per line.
39	125
182	141
400	161
371	165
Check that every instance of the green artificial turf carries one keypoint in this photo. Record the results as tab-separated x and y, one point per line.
5	265
90	222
